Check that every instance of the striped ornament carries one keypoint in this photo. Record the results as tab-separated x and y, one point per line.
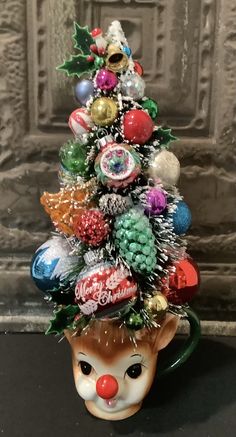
80	122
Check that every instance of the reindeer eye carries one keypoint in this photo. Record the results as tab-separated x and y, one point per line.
86	368
134	371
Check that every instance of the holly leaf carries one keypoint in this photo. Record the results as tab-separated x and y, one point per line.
164	136
63	319
77	65
83	39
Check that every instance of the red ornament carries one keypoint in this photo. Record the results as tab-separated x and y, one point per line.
183	283
91	227
138	68
104	289
138	126
107	387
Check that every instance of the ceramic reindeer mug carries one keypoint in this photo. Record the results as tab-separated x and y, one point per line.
113	371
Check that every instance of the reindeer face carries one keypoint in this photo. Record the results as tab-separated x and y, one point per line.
116	384
111	374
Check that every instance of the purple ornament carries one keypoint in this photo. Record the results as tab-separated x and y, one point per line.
106	80
156	201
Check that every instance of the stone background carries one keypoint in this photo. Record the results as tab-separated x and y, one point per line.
188	50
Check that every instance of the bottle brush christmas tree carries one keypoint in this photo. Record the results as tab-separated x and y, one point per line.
118	248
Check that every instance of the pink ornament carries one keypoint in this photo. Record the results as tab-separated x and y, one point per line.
80	122
156	201
106	80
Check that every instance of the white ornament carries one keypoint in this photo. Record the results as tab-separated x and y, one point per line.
166	167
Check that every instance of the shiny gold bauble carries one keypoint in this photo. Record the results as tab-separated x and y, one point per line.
157	305
104	111
116	60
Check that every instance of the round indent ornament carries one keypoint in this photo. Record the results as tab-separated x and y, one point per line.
182	218
151	106
132	85
155	202
165	167
52	263
91	227
182	285
73	157
117	165
157	305
138	126
106	80
84	90
104	111
80	123
104	290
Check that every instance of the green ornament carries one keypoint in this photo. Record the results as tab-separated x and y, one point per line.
135	240
99	62
134	321
73	157
151	106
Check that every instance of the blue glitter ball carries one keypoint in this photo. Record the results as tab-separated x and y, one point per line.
182	218
51	264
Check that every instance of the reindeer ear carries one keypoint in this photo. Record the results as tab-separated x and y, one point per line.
167	332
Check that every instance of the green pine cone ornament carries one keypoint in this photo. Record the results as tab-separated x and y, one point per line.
135	240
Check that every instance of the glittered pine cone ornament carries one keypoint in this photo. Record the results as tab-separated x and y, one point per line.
91	227
117	270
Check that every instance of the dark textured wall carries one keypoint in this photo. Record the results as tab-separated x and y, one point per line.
188	50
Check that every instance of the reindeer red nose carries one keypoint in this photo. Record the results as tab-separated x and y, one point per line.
107	386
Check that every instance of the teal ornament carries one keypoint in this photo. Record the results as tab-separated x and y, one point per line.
127	51
135	240
182	218
151	106
73	157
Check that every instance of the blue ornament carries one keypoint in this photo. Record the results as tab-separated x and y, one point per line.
51	264
84	90
182	218
127	51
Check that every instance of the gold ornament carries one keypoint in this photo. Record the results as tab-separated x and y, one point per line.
157	305
116	60
104	111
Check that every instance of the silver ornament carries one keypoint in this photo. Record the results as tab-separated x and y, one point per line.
84	90
132	85
166	167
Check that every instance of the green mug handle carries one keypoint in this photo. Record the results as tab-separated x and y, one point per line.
187	349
